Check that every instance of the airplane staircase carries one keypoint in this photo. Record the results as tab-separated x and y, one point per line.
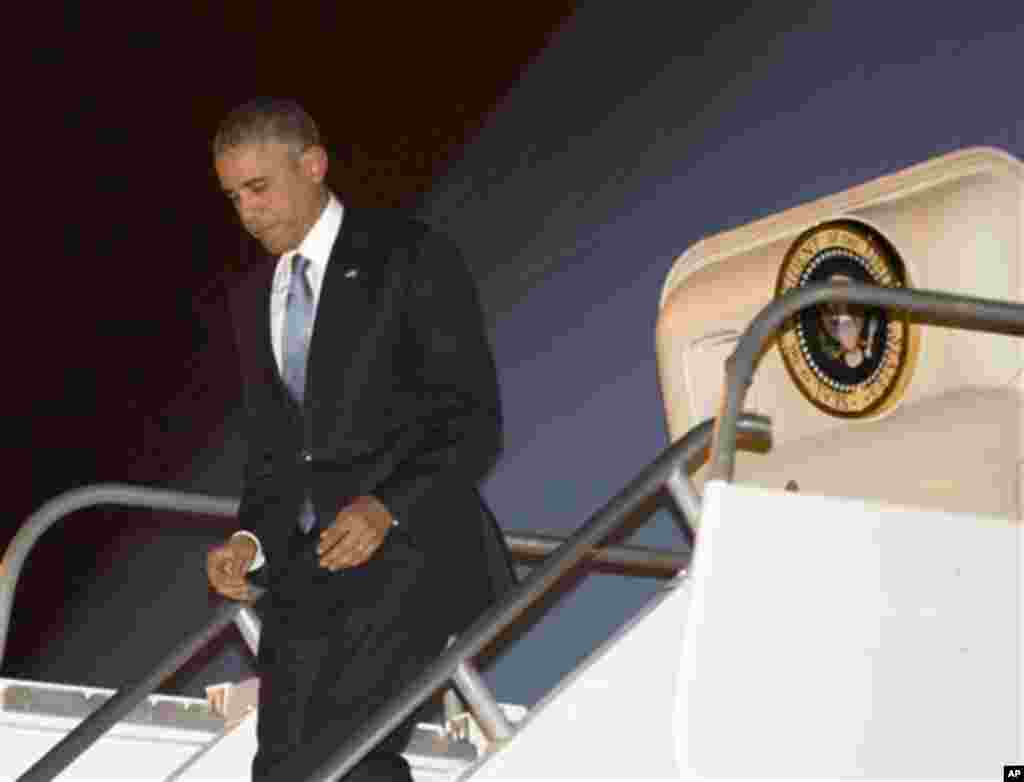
811	636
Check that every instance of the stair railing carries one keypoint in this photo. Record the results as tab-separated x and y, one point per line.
634	560
52	511
670	471
942	309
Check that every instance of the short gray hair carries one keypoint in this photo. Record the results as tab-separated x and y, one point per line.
266	119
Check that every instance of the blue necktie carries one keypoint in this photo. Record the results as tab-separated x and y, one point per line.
298	327
298	322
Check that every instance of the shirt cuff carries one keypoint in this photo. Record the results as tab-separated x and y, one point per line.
259	560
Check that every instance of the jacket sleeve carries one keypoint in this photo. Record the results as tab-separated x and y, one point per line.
259	513
458	431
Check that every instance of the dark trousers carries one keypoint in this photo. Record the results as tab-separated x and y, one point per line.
317	688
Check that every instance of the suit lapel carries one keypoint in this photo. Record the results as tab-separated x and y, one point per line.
346	300
257	296
266	347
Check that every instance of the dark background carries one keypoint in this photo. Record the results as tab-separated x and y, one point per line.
573	151
125	369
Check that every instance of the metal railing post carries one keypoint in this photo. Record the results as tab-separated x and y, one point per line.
634	560
685	495
249	627
481	702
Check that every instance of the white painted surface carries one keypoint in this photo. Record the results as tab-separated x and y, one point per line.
816	638
832	637
135	751
610	719
127	752
229	758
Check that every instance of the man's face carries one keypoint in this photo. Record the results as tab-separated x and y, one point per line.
277	193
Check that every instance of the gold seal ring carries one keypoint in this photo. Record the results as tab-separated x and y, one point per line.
849	361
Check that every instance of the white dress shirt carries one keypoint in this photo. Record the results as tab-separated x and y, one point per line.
317	247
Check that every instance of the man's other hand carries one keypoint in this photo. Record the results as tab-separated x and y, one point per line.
356	533
227	565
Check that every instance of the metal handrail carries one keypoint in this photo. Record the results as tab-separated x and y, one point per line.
672	463
52	511
632	560
665	471
636	560
945	309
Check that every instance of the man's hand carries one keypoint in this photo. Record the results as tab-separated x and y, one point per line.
227	564
356	533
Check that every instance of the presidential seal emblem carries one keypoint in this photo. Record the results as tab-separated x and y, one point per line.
847	360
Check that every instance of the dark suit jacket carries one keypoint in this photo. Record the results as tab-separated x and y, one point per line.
401	402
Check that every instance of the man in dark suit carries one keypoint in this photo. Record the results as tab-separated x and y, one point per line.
373	413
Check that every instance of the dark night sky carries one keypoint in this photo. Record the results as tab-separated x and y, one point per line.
127	364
